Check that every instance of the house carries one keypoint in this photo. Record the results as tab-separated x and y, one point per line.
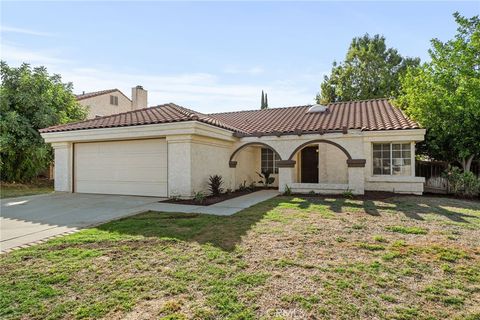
169	150
112	101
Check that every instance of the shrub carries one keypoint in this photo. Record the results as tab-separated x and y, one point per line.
348	194
243	186
174	197
215	184
266	178
462	183
287	191
199	197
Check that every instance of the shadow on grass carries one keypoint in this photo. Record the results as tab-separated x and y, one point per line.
224	232
412	207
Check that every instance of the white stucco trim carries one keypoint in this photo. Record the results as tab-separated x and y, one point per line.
394	135
140	132
395	178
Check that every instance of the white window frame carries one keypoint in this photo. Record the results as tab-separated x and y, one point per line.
412	158
274	160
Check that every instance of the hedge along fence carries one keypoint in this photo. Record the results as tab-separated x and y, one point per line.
436	180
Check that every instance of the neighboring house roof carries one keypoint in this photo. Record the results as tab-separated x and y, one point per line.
365	115
98	93
166	113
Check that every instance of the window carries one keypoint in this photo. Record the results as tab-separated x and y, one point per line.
392	159
114	100
269	161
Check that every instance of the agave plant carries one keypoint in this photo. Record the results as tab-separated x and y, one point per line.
215	184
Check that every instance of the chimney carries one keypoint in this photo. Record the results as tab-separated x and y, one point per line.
139	98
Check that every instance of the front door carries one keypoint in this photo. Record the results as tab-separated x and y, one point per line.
309	167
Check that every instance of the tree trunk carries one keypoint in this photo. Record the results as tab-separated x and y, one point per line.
467	163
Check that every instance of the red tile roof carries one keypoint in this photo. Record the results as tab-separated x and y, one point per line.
166	113
97	93
365	115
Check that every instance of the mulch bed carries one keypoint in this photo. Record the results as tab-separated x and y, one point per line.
212	199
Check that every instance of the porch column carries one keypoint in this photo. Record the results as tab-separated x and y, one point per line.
63	166
179	166
286	174
356	175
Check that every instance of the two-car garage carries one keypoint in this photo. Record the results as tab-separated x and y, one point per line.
129	167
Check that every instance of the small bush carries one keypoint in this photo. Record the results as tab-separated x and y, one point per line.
348	194
174	197
243	186
199	197
266	178
215	184
288	191
461	183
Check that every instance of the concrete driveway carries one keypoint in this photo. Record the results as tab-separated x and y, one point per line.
30	219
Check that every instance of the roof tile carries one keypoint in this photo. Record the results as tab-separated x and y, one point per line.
376	114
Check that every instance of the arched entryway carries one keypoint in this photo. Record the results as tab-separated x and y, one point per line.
233	162
321	161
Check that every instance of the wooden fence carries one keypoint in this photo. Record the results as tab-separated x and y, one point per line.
433	171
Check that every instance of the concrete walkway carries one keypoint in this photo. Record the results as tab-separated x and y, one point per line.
224	208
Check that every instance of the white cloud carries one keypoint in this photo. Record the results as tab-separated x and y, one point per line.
204	92
17	54
238	70
25	31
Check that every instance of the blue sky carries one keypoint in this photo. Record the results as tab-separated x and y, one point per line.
214	56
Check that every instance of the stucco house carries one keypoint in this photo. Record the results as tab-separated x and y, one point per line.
112	101
169	150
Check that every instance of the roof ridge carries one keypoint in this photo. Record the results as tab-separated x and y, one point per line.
93	94
267	109
299	106
98	91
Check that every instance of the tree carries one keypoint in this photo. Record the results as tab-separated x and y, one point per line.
370	70
443	95
31	99
264	101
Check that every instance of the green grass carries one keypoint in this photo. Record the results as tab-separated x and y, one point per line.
407	230
12	190
288	257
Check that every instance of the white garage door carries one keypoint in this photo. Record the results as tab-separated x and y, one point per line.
136	167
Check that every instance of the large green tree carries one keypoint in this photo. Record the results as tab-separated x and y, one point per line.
443	95
31	99
370	70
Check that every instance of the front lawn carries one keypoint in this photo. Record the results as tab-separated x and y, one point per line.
286	258
12	190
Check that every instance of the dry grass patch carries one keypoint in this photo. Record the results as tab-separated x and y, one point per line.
12	190
286	258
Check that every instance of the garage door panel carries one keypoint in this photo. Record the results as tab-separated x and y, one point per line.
108	174
125	188
137	167
121	163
